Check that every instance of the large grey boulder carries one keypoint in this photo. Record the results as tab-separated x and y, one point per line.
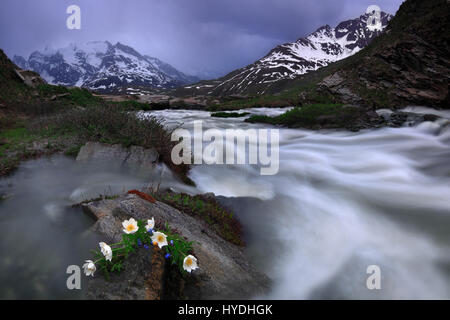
225	271
133	156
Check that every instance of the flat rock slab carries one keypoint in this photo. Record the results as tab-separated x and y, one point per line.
224	270
133	156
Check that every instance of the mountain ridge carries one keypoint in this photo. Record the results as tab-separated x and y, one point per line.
104	67
290	60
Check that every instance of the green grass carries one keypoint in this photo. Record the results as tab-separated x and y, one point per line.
229	114
104	123
82	97
14	134
18	143
49	90
13	138
207	209
13	147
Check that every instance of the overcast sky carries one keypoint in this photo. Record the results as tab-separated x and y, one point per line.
192	35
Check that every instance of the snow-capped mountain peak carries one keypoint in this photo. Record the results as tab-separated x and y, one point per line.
290	60
322	47
102	66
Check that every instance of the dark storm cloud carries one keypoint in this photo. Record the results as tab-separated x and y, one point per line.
190	34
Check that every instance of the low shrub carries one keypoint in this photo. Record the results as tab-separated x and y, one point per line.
114	125
83	97
311	116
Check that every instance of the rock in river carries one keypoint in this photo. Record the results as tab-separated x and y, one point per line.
225	272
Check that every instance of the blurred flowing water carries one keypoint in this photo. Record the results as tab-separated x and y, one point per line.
41	234
341	202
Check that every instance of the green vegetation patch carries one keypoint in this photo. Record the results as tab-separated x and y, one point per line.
13	139
18	143
50	90
313	116
82	97
106	123
13	142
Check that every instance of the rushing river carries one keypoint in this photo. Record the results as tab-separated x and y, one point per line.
341	202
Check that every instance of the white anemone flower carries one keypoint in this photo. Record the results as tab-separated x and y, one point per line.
150	224
130	226
106	250
160	239
190	263
89	268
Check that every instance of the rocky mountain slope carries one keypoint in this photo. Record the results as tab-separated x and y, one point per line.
104	67
15	84
288	61
407	65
